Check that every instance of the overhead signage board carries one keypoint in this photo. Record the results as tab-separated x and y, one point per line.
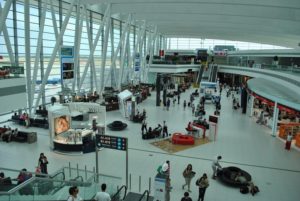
111	142
137	62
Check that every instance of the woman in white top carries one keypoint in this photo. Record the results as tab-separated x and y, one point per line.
102	196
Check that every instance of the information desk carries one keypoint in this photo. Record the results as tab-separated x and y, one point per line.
73	140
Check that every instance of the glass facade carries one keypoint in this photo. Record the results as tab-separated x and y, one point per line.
194	43
60	9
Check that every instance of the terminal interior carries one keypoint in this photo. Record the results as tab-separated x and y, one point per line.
129	93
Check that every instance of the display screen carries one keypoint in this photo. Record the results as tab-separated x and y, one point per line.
61	124
67	51
68	66
68	75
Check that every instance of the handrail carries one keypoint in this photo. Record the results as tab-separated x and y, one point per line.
52	176
18	187
105	175
75	179
145	192
116	194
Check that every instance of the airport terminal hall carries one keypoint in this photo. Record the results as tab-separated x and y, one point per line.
149	100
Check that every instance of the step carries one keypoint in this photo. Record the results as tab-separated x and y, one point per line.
135	197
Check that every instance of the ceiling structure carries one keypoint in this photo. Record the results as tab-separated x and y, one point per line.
275	22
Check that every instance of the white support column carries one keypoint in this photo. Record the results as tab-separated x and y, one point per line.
123	54
275	120
77	42
27	52
38	52
90	39
93	49
104	51
153	45
4	14
54	52
54	20
7	41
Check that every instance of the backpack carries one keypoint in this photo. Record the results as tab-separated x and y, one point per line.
198	182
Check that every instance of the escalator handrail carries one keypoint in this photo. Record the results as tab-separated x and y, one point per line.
146	192
124	186
75	179
52	176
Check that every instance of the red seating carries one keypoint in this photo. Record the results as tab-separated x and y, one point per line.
178	138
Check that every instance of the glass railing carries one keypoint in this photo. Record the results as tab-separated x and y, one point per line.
56	186
283	68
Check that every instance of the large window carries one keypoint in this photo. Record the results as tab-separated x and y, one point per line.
194	43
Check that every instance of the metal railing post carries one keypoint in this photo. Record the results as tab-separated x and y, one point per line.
70	169
77	168
140	181
149	185
129	181
85	170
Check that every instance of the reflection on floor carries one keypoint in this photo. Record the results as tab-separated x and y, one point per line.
240	141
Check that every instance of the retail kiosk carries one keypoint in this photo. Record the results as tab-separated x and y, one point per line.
68	133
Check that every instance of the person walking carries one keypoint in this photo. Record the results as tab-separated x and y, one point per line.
144	126
178	97
186	197
184	104
102	196
43	162
174	100
193	109
202	183
215	166
168	104
165	130
188	174
288	142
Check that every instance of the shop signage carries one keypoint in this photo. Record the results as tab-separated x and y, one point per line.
111	142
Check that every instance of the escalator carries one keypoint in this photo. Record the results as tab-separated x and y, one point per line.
199	78
214	73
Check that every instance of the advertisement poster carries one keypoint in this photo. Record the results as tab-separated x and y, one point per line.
67	63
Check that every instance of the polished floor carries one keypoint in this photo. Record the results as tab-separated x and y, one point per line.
240	141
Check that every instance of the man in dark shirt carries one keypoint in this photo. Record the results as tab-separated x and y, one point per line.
186	197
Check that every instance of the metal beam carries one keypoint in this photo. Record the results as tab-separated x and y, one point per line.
104	50
27	52
90	39
54	20
7	42
38	50
93	48
4	14
16	43
77	42
54	52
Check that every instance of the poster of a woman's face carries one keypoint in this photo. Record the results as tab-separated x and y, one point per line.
61	124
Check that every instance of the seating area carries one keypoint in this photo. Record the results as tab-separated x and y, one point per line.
21	136
40	123
111	102
138	118
151	135
179	138
228	176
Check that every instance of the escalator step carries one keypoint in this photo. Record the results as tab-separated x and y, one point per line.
135	197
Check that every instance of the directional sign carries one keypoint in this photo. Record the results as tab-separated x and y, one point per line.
111	142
